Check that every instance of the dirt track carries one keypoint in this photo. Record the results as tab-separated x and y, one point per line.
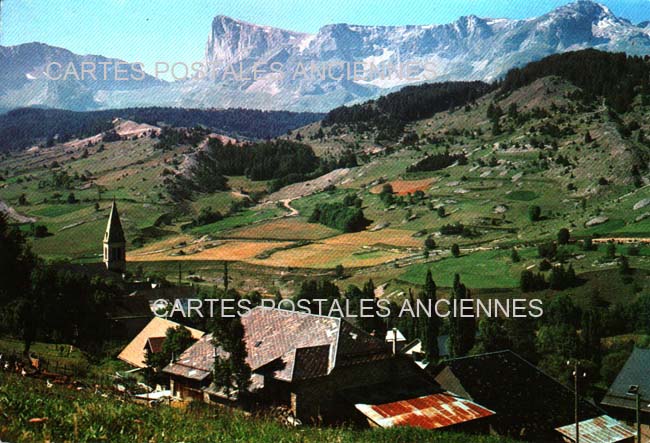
15	215
303	189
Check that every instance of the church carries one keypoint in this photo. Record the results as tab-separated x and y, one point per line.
114	242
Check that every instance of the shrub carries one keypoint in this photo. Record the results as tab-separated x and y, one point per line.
534	213
515	256
563	236
429	243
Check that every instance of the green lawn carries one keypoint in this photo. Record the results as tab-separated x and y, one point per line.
487	269
234	221
523	195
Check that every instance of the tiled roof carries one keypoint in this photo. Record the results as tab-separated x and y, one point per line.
291	345
522	396
636	371
311	362
134	353
197	361
414	402
603	429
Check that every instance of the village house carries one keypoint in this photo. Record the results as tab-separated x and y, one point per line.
621	399
151	339
603	429
528	404
325	369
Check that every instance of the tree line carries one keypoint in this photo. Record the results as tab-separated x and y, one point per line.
24	127
617	77
391	112
435	162
281	162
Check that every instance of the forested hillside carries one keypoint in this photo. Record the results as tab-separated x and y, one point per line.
28	126
615	76
393	111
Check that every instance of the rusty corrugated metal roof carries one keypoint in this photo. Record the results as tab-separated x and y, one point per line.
414	401
603	429
429	412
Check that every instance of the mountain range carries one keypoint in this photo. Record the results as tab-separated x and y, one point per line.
253	66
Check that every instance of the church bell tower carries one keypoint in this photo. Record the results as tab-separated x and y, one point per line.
114	243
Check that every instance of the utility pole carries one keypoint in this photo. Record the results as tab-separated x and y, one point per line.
576	396
638	415
636	391
225	276
575	388
180	272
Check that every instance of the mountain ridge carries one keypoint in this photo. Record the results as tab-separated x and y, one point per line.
313	70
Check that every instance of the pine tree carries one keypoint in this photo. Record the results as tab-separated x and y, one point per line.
592	335
231	372
177	340
462	330
430	325
373	323
514	256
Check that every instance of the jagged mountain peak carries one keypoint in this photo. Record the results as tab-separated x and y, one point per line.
587	9
224	22
469	48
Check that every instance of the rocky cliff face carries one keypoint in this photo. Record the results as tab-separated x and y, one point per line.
268	68
471	48
28	77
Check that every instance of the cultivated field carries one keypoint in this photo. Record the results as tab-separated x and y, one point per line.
286	228
405	187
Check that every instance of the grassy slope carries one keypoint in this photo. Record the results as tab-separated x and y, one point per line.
469	193
86	417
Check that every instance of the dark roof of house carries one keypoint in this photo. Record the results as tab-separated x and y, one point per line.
636	371
414	401
603	429
155	344
523	397
114	232
288	345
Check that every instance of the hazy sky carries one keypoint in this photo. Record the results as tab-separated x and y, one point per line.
177	30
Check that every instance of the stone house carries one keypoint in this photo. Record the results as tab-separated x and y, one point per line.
325	370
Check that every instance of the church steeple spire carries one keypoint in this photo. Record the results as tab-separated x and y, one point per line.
114	242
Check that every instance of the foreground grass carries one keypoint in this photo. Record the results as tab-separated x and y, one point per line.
82	416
